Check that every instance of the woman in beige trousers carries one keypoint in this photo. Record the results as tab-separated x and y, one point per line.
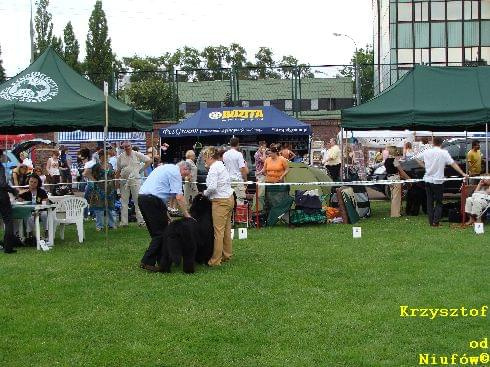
220	193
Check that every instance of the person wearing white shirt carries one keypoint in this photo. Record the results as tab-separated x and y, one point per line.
129	164
190	185
435	160
331	160
238	170
219	191
24	157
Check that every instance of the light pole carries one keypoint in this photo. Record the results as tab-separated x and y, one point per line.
356	71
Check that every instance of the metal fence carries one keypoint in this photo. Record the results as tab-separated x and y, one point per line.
313	91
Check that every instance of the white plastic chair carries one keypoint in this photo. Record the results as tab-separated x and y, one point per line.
70	211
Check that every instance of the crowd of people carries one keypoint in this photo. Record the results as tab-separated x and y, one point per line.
434	159
157	189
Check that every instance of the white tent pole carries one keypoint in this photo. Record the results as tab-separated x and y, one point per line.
341	153
486	148
465	149
106	129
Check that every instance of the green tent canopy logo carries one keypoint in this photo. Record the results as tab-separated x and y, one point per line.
33	88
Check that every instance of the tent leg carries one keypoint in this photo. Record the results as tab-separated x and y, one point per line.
465	146
341	153
486	148
151	145
257	197
310	161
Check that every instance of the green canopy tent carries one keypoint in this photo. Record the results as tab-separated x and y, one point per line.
428	98
51	96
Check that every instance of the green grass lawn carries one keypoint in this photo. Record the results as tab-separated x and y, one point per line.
310	296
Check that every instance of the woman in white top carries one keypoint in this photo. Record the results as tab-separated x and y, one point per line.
53	170
220	193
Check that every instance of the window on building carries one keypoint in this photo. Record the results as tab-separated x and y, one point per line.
314	104
183	107
438	56
245	104
471	54
454	10
405	56
203	104
288	105
267	103
405	35
421	34
485	33
422	56
454	34
485	54
404	12
421	11
437	10
438	34
485	9
454	56
470	10
471	33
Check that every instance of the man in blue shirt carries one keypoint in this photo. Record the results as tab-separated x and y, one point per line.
163	183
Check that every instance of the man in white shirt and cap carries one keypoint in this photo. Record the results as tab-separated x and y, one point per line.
129	164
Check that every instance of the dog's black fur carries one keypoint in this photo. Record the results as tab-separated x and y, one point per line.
191	240
416	199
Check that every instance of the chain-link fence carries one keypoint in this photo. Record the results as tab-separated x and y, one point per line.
309	92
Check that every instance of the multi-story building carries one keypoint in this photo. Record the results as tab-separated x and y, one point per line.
432	32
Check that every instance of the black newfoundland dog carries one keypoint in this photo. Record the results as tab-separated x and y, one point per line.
191	240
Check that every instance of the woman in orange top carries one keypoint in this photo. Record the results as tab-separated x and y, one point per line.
275	166
275	169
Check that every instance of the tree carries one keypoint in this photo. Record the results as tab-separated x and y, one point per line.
2	70
57	44
215	57
189	61
44	27
365	61
237	59
143	68
99	59
288	65
72	48
265	64
155	95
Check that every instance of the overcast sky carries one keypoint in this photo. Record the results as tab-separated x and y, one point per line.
152	27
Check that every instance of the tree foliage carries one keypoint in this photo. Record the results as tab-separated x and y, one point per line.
99	60
214	59
265	64
72	48
43	26
57	44
2	70
364	58
155	95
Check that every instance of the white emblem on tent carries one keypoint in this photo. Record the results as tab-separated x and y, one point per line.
33	87
215	115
